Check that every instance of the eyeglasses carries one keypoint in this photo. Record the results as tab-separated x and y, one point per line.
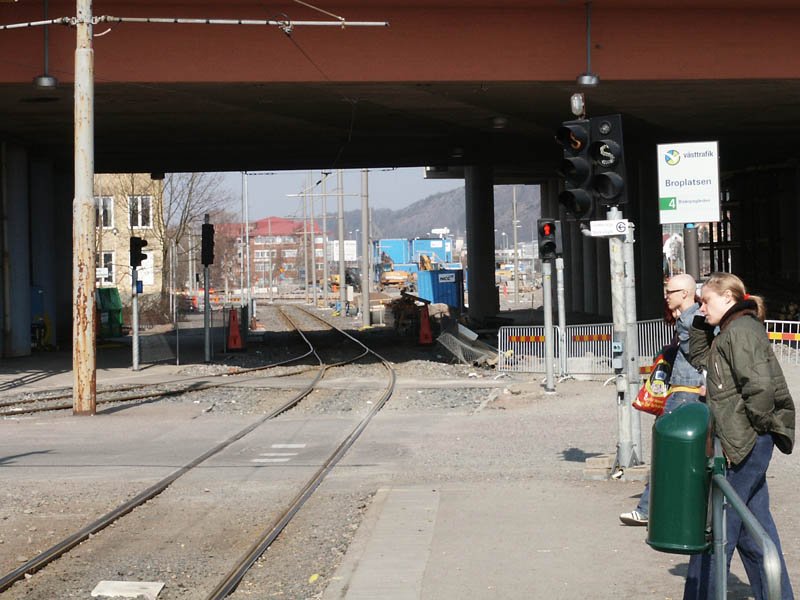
668	292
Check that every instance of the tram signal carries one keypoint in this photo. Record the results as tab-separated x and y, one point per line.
137	256
549	235
575	138
207	245
608	161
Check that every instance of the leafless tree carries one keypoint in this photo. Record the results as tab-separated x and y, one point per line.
185	198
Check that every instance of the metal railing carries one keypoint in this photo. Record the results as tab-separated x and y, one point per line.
587	348
785	339
722	490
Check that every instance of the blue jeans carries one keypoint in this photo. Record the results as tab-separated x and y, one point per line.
674	401
749	479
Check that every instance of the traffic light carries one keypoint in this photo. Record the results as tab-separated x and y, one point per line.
549	234
137	256
608	160
207	245
575	138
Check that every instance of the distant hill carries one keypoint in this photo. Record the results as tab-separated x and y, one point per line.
447	209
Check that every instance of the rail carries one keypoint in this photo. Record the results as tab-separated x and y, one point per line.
722	490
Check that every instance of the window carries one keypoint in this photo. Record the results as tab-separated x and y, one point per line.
141	208
104	211
104	263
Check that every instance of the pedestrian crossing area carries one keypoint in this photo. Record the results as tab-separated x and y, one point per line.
279	457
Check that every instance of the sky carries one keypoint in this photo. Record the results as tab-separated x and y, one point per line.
388	188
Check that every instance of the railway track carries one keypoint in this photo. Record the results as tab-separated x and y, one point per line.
267	535
62	399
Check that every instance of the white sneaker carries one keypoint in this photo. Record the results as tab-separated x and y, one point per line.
633	518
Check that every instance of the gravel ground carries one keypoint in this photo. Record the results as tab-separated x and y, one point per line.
188	547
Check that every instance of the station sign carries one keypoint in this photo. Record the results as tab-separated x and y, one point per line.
688	182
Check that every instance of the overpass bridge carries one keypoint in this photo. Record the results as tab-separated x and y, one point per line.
474	88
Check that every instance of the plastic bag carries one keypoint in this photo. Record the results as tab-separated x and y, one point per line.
653	394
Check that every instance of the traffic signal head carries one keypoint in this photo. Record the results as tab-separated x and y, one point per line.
575	138
549	234
137	256
207	245
608	160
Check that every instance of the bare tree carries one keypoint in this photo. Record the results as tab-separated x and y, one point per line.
185	198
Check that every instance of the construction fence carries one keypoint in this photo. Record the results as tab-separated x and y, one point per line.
586	349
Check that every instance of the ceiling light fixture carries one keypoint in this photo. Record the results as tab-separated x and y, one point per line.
45	82
588	79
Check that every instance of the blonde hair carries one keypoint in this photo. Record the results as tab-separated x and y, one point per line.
720	282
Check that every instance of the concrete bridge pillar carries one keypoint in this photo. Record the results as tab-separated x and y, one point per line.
483	298
15	280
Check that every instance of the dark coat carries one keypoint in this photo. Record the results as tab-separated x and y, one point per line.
745	387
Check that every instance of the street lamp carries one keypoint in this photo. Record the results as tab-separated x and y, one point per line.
505	240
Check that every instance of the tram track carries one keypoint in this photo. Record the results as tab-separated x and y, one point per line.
232	578
48	401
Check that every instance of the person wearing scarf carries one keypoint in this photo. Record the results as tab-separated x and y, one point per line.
752	412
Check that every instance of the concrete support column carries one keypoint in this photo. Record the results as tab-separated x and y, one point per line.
15	287
63	192
44	271
483	299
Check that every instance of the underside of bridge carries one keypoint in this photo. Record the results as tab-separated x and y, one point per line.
447	84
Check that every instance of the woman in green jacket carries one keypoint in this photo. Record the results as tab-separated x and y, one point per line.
752	410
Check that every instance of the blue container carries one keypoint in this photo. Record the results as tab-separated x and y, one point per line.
445	286
398	250
439	250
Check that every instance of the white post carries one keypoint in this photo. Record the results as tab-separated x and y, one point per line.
547	290
135	318
84	326
365	315
342	285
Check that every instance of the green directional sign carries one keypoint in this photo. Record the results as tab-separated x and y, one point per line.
670	203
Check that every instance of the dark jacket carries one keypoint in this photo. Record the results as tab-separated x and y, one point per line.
746	390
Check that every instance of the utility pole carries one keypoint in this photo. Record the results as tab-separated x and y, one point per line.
84	326
246	219
342	278
516	247
325	271
313	241
305	241
365	315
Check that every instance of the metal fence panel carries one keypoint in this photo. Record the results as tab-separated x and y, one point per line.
785	339
521	348
589	349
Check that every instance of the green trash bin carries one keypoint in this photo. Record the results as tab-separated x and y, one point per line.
680	476
109	307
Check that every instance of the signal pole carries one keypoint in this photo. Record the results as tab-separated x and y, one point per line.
135	317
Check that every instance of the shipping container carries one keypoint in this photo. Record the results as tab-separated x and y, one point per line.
442	287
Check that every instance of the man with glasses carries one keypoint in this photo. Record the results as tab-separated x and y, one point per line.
685	382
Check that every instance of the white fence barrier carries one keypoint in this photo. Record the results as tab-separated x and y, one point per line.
588	347
785	339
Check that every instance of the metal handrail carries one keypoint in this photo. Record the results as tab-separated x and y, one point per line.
772	559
